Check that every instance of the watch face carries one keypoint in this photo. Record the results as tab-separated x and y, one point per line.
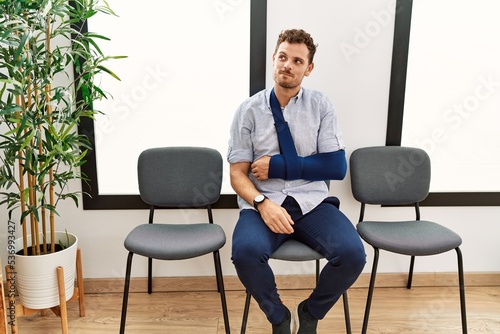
259	198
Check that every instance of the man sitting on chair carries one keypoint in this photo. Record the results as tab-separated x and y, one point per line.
278	165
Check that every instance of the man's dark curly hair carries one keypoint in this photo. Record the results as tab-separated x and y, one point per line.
297	36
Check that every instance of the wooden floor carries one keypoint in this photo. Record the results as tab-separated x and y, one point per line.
395	311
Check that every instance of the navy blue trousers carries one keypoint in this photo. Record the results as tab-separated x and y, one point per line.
325	229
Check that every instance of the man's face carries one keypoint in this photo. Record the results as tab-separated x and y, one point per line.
290	64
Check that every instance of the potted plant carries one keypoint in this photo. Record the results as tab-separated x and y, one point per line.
40	149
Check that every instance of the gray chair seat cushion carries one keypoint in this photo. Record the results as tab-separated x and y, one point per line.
409	237
175	241
293	250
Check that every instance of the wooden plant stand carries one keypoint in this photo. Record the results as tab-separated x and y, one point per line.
60	310
3	310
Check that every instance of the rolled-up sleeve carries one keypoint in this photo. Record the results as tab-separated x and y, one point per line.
240	144
330	135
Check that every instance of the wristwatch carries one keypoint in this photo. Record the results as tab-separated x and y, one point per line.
257	200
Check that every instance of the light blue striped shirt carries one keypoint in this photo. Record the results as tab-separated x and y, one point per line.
313	124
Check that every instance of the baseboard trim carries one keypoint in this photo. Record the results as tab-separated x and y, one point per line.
292	282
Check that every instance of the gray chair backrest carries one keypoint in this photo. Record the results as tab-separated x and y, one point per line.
180	176
390	175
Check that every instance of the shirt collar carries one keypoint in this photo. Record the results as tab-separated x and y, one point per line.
294	99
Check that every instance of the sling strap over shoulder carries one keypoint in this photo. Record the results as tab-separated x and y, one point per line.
287	146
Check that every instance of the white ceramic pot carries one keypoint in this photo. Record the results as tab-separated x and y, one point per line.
36	276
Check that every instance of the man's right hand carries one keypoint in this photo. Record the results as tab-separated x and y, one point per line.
260	168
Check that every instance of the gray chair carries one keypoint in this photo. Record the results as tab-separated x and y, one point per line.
293	250
177	178
394	176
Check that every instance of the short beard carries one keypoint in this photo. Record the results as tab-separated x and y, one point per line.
287	85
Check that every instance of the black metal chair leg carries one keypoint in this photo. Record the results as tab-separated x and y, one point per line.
245	313
370	291
220	287
317	272
346	313
150	275
410	273
125	292
461	282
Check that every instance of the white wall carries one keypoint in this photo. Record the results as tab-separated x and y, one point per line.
353	68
